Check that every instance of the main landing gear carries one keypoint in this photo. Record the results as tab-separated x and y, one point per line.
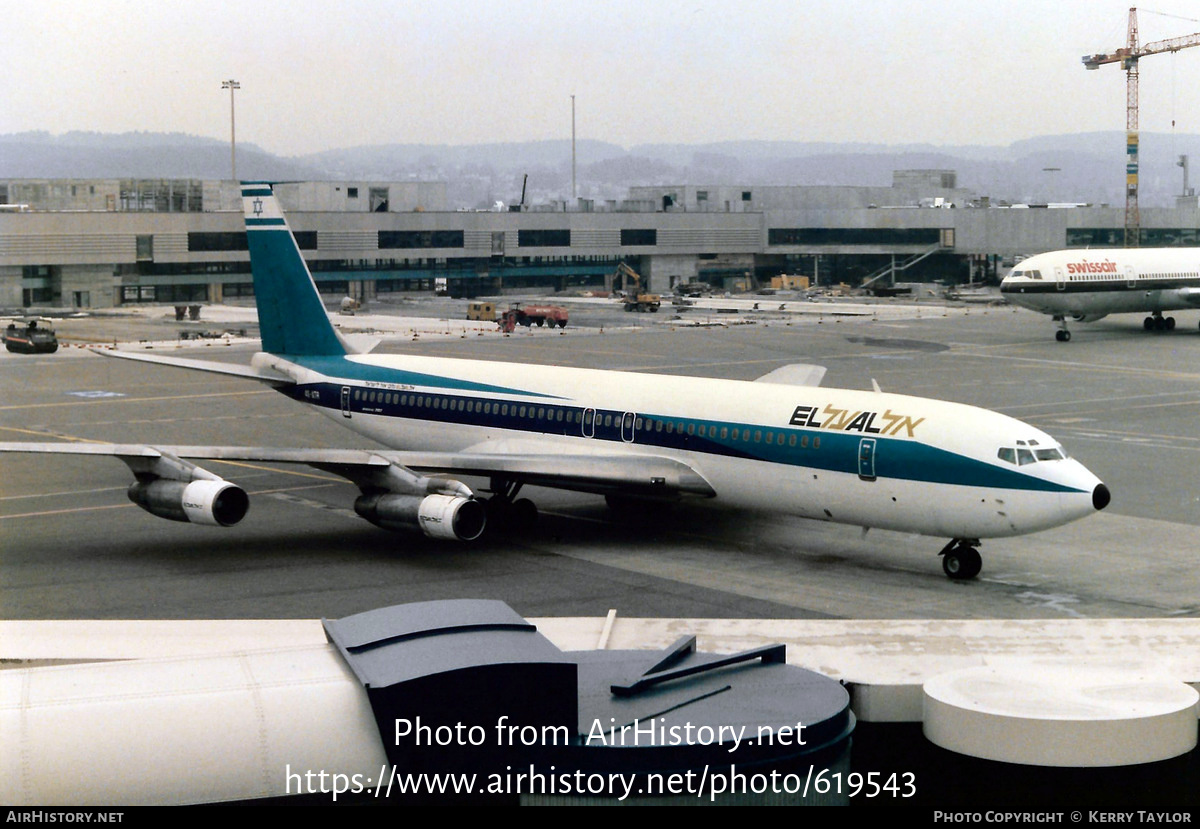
1157	322
960	559
508	513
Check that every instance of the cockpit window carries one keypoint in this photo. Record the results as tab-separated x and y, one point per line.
1021	456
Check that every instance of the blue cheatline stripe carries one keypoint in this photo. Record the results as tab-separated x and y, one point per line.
256	191
266	223
351	370
814	449
291	316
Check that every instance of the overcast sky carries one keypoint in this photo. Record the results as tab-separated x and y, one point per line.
319	75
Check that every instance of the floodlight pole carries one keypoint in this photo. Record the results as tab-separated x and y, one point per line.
574	193
231	85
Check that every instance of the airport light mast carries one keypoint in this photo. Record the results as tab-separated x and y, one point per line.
231	85
1128	57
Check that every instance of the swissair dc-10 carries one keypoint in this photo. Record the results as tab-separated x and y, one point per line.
1087	285
781	443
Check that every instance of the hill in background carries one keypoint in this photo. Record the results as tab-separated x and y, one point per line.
1068	168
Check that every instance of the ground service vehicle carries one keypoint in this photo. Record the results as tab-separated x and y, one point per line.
637	300
485	311
538	315
27	337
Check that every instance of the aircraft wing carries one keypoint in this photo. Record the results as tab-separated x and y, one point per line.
1190	295
795	374
625	474
644	475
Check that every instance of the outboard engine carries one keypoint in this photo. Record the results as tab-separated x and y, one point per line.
216	503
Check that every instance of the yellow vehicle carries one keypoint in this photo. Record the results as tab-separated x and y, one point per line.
482	311
635	300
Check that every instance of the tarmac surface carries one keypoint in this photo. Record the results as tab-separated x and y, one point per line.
1124	402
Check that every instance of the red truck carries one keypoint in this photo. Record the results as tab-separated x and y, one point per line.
528	315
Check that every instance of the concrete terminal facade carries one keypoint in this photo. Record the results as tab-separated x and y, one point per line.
99	243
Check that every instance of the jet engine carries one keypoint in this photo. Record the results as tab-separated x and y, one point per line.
438	516
216	503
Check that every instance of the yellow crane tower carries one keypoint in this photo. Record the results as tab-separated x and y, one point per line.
1128	57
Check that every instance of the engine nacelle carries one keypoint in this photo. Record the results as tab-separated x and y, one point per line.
438	516
1088	317
216	503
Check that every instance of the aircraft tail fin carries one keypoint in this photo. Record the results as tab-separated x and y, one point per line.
291	315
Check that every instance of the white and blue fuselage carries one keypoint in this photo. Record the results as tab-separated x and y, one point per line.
870	459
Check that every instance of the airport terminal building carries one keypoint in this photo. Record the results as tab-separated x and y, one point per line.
100	243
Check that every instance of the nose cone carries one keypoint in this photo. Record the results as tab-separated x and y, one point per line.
1087	494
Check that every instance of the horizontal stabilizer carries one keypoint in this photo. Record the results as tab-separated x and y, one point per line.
795	374
360	343
263	375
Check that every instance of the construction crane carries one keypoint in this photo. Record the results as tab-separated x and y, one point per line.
1128	58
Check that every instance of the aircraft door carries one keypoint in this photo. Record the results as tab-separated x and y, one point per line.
627	422
1130	277
866	459
1060	279
589	423
345	401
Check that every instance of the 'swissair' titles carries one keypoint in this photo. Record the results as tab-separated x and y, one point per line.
1107	266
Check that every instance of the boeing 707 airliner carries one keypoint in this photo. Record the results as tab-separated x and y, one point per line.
781	443
1087	285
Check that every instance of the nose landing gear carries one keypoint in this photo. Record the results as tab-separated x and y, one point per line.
1062	334
960	559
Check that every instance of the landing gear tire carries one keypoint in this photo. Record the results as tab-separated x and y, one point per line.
523	515
962	562
518	516
1148	323
1170	323
508	514
633	511
1063	336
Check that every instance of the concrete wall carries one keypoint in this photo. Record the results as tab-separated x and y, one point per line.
665	272
10	287
362	196
95	282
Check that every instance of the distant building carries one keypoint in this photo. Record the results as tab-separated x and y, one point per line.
95	243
